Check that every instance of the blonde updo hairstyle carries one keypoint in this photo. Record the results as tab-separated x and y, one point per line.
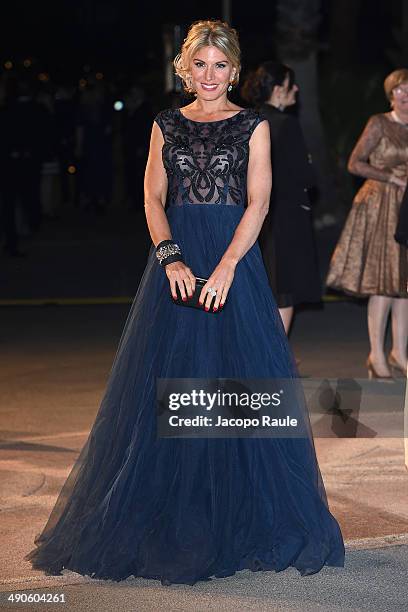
208	34
393	80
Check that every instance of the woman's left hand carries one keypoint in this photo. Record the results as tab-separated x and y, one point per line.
221	281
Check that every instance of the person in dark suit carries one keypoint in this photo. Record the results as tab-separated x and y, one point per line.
286	240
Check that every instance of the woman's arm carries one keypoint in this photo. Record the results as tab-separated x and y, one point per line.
259	185
358	163
155	187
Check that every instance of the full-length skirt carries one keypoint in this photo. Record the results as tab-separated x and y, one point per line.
183	510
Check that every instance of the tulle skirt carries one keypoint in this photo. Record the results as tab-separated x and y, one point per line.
183	510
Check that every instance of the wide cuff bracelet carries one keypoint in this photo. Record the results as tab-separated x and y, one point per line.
167	252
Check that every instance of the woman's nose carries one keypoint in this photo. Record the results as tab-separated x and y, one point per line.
208	73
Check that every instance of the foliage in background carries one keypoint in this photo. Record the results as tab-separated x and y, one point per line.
297	23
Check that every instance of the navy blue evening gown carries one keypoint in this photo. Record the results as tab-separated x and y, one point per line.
183	510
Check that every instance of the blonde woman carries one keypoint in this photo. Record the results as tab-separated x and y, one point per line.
183	510
367	260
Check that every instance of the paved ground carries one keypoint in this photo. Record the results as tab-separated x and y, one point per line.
54	362
373	580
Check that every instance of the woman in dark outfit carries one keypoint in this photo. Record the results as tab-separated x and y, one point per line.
286	239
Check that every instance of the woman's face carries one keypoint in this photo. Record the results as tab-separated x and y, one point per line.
287	94
400	98
211	73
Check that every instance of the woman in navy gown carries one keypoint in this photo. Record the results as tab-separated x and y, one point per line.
177	509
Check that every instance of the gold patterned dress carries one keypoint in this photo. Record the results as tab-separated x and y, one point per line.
367	259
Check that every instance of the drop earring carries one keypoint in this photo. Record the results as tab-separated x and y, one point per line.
230	87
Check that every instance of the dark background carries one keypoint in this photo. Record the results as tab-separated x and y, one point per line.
127	35
122	33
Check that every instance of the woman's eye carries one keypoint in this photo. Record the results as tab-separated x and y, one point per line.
221	65
199	64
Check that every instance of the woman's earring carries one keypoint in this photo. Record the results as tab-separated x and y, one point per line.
190	84
230	87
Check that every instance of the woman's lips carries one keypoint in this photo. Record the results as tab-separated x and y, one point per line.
209	87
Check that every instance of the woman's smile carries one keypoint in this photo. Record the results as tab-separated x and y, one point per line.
209	86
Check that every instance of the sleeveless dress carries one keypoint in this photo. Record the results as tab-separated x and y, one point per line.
367	259
183	510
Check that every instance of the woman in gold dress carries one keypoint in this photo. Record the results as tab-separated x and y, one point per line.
367	260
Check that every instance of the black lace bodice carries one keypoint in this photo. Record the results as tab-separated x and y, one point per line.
206	162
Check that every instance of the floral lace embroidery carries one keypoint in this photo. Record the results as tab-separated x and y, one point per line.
206	163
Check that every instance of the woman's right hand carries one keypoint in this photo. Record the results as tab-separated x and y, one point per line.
180	275
396	180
